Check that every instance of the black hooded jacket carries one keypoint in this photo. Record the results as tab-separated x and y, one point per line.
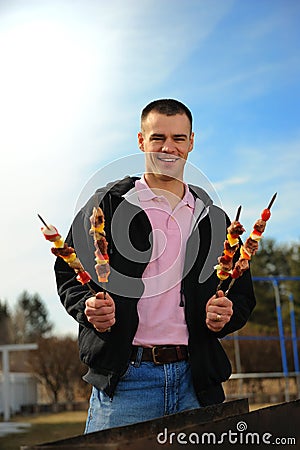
128	232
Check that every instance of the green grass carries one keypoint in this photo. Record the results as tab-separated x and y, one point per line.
45	428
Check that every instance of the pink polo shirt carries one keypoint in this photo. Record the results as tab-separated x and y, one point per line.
161	318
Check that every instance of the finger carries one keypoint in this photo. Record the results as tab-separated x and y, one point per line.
214	326
217	321
219	309
218	301
97	303
104	324
103	295
90	302
101	322
220	293
215	317
221	302
102	319
216	296
101	311
93	304
218	316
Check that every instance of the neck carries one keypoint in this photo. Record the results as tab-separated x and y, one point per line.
168	184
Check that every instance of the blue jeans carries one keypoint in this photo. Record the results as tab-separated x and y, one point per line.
146	391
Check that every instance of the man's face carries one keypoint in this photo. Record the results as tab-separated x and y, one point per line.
167	141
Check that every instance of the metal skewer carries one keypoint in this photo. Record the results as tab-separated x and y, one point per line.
238	213
237	216
272	201
230	286
42	220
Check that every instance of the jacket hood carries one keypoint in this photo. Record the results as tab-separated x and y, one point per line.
120	187
202	194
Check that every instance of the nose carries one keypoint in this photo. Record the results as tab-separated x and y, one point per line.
168	147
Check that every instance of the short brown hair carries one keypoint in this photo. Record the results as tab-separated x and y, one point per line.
167	106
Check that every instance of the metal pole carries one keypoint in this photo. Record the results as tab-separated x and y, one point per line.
238	364
6	384
294	341
281	338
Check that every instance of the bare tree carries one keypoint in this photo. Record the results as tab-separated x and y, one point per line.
57	365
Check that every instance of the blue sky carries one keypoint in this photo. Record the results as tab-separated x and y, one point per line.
74	78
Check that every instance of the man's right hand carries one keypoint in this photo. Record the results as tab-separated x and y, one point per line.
100	311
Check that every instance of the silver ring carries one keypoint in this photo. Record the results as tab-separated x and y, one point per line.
218	318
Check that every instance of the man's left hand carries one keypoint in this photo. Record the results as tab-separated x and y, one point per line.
218	311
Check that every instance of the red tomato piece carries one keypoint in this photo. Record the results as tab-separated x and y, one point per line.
266	214
83	277
235	274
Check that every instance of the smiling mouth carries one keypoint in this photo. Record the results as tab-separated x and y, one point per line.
165	159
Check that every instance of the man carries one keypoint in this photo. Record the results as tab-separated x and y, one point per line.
151	341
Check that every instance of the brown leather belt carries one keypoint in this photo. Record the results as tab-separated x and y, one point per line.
162	354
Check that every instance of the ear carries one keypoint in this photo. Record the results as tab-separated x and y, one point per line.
141	141
191	142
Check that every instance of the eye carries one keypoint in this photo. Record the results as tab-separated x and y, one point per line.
180	137
156	138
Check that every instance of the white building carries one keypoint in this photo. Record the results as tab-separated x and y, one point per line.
16	390
23	389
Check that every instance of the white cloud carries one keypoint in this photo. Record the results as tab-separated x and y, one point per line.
229	182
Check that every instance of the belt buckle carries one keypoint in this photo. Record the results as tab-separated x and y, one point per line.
154	355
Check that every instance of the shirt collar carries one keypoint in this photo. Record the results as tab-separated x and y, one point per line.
146	194
143	190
